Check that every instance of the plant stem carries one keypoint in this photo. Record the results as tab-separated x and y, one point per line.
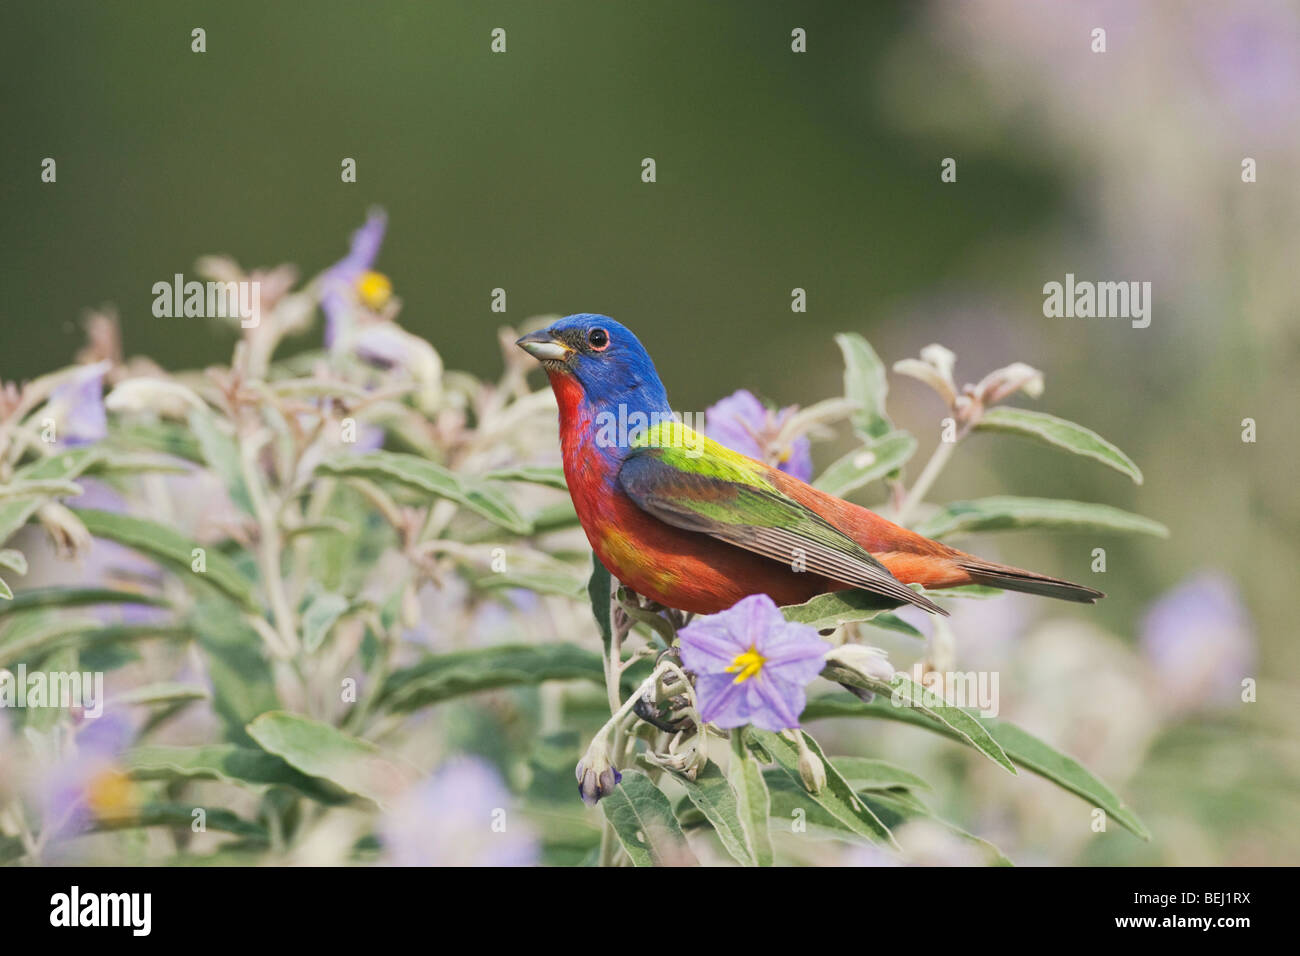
927	478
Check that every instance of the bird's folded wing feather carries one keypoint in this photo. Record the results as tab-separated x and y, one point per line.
698	485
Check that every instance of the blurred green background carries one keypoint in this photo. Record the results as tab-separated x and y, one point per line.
775	170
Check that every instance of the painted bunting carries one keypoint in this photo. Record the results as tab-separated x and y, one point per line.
683	520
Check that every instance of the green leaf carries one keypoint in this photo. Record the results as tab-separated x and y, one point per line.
227	763
182	816
550	477
865	773
753	803
643	821
1006	513
877	459
64	466
443	676
864	383
14	561
838	607
561	585
164	693
713	796
31	645
172	549
836	798
222	455
892	622
242	683
422	475
902	692
1060	433
320	750
78	597
1023	748
599	591
898	807
319	618
6	592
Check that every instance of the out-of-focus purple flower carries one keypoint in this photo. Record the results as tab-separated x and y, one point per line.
459	816
88	782
340	284
77	405
744	424
1200	644
1252	57
751	664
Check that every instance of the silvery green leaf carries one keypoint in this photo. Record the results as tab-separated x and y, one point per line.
442	676
61	468
1023	748
712	795
549	477
877	459
561	585
864	384
228	763
321	750
319	618
838	607
836	797
425	476
753	803
1009	513
172	549
1060	433
13	560
644	823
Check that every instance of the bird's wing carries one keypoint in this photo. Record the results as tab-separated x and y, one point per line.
691	482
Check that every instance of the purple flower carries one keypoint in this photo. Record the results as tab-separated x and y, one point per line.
77	404
751	664
459	816
339	291
88	782
744	424
1199	642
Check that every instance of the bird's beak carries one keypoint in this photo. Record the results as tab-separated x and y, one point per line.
542	345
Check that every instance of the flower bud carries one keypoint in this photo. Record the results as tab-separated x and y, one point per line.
870	662
71	539
596	776
812	771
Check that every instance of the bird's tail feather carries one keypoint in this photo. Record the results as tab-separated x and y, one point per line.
1017	579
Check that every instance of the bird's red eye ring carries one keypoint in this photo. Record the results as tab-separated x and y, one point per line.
598	339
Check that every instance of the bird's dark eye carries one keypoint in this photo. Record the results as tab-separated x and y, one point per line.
598	339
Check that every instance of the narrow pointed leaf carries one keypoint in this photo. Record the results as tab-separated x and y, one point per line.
422	475
1008	513
1059	433
753	803
172	549
1024	748
712	795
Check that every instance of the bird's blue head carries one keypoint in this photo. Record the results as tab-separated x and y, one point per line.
603	357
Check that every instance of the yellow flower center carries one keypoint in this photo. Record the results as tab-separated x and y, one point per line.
374	289
747	665
109	794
